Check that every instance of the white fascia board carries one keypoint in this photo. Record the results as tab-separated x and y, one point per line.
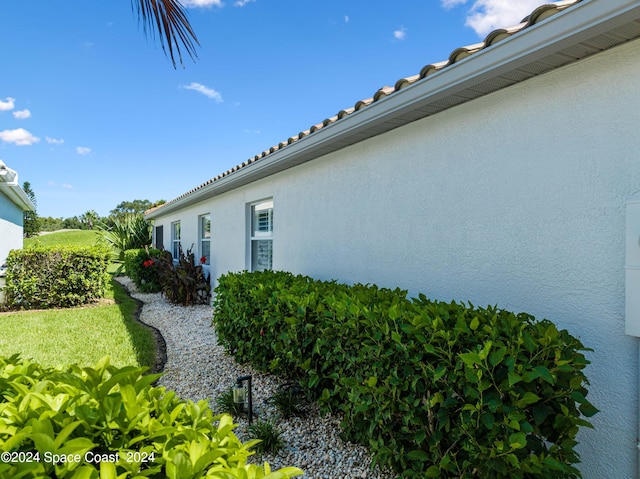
18	196
573	25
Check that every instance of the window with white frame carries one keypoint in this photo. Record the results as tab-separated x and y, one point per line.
261	238
175	240
205	239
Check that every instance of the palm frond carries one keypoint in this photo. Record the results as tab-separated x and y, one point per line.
129	232
168	19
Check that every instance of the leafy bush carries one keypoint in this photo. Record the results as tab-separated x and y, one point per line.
60	423
41	277
183	283
128	232
434	389
140	265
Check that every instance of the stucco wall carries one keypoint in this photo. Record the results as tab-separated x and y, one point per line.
11	219
515	199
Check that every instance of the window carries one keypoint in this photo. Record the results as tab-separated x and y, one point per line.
159	237
175	240
261	236
205	237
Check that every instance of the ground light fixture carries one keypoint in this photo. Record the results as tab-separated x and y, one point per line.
240	394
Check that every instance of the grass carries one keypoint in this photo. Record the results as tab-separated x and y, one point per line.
83	335
65	237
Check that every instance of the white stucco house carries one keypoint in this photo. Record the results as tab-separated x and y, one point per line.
13	203
508	174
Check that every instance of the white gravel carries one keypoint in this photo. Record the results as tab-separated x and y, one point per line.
198	368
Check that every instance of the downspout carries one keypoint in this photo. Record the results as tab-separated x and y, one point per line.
632	275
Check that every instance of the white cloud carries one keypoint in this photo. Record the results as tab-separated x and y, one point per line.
485	16
83	150
8	104
452	3
22	114
54	141
252	132
205	90
67	186
242	3
400	34
19	136
346	19
202	3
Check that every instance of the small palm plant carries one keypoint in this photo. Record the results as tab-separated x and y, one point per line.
129	232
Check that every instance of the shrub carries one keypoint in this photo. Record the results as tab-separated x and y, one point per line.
183	283
434	389
82	415
140	265
55	276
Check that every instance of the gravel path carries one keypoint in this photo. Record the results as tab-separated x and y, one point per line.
198	368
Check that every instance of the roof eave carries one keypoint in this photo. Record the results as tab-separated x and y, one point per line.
553	34
17	196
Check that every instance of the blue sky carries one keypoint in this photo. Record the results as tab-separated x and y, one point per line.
92	113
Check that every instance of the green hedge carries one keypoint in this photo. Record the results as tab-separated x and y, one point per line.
140	265
43	277
108	422
434	389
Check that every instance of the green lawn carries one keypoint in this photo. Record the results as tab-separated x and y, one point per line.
65	237
82	335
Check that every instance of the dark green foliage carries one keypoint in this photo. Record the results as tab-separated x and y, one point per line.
48	223
146	431
42	277
185	282
288	400
135	207
140	265
269	436
434	389
73	223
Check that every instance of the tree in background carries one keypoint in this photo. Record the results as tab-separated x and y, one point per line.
136	207
89	219
31	223
47	223
118	217
73	223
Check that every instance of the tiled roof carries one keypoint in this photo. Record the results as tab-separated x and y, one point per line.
539	14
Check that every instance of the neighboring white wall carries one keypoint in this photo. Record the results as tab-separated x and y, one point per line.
515	199
11	220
